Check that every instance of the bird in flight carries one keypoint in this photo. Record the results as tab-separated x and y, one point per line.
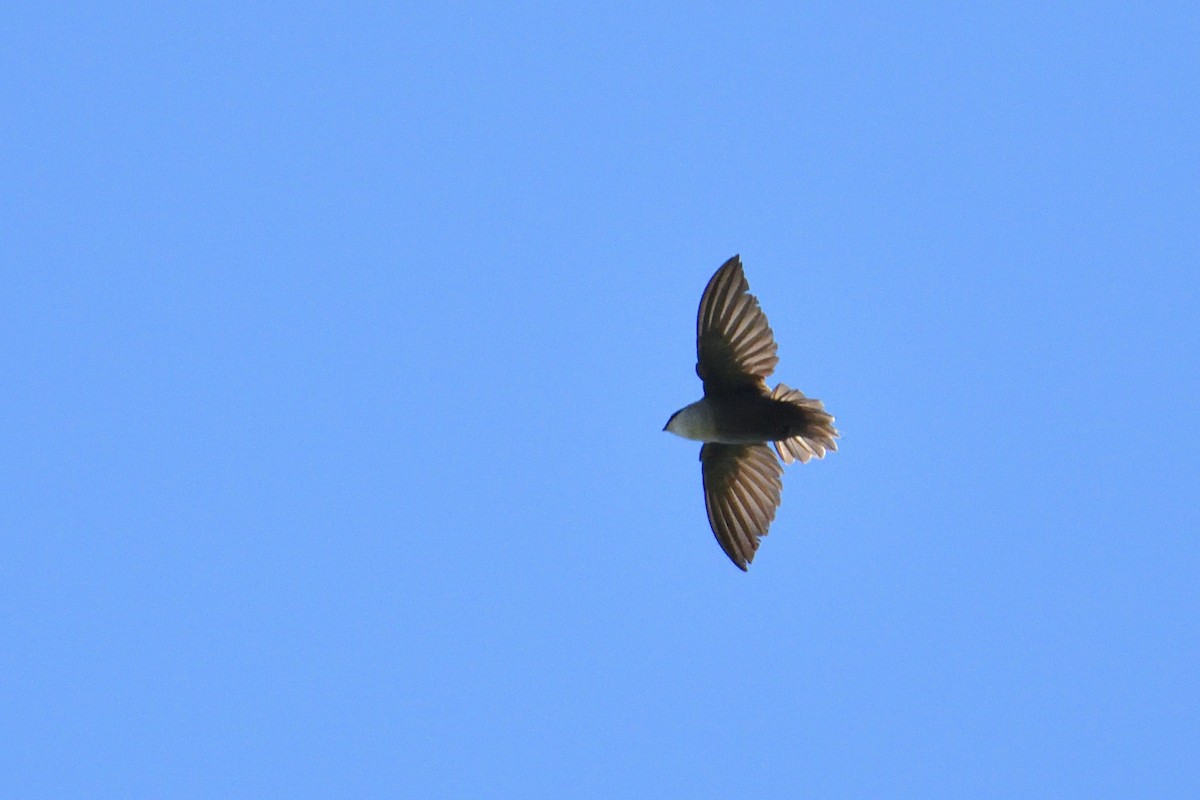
739	415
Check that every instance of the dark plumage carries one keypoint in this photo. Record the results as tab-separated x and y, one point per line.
739	415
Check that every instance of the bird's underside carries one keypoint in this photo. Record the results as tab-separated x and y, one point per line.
739	416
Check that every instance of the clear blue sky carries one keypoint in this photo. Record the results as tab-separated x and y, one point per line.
338	341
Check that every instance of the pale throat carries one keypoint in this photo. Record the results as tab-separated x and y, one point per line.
695	422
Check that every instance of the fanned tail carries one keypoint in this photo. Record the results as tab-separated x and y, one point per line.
816	433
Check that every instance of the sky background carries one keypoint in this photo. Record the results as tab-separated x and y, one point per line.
338	340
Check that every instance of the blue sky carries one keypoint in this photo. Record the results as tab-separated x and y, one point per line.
338	340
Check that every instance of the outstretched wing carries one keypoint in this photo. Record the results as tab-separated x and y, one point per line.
735	347
742	484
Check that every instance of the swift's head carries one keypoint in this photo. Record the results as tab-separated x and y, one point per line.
690	422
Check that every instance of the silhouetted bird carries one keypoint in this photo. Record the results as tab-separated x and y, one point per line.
735	352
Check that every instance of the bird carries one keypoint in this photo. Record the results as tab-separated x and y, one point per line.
738	416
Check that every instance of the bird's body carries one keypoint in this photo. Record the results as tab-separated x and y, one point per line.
739	415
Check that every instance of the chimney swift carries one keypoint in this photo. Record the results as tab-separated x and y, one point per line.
735	351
